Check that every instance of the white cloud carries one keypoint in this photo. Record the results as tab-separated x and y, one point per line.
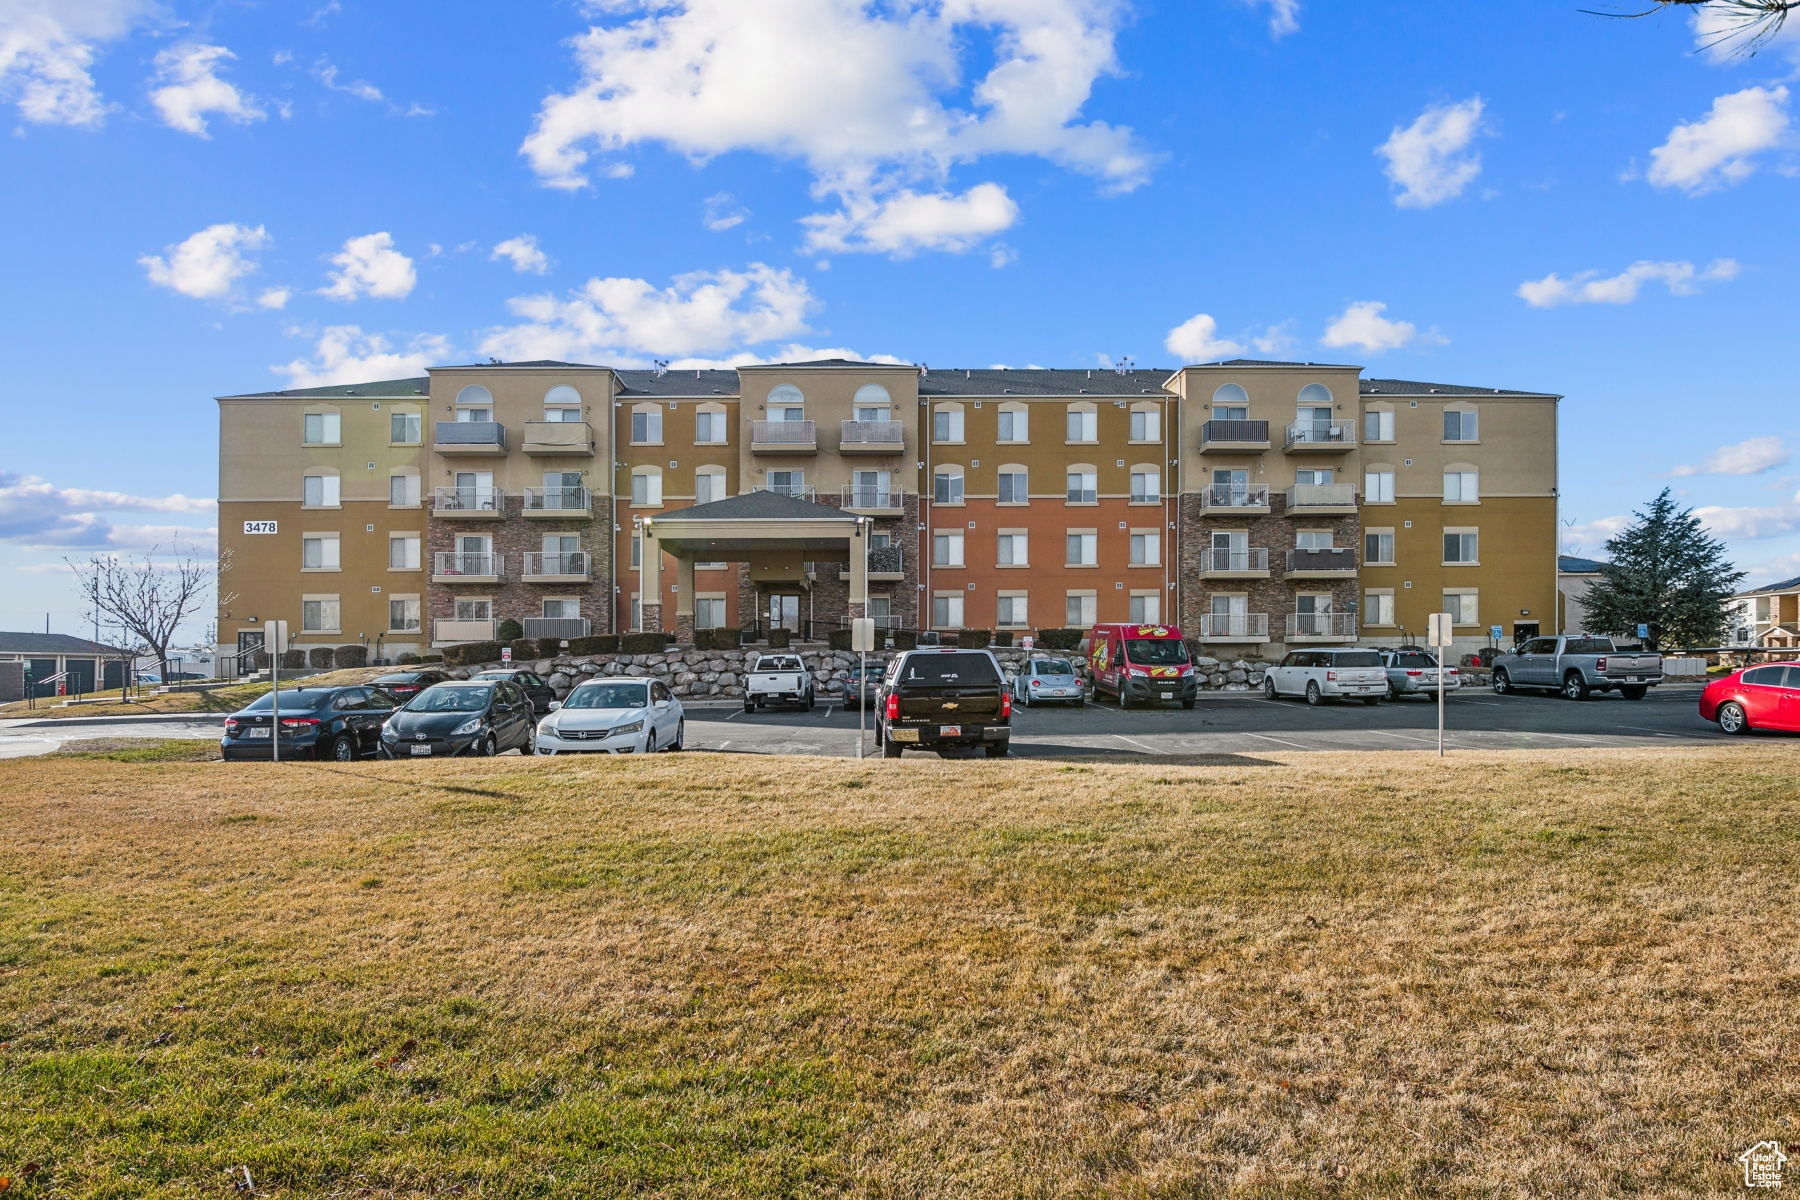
904	222
362	89
1751	457
721	214
1768	521
628	320
191	88
1589	288
1276	340
47	47
345	354
1776	570
208	264
524	254
1717	149
1196	340
275	297
791	352
35	513
1362	325
1430	161
861	93
1589	538
370	266
1284	16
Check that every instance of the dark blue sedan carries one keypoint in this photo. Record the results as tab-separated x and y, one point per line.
341	723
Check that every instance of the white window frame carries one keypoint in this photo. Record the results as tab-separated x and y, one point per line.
1373	560
1146	424
652	415
411	554
953	490
1013	548
1468	608
1083	553
1373	600
948	419
1083	425
1018	416
1012	610
1462	533
953	610
330	490
1146	548
1081	609
416	606
1021	493
330	429
652	491
1378	485
1462	486
323	606
947	549
329	552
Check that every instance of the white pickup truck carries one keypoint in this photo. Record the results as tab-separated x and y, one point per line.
778	679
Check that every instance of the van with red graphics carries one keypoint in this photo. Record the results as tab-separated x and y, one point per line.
1141	664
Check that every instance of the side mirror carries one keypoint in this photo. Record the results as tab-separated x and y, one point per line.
555	704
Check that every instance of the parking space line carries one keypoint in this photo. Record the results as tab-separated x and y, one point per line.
1265	737
1135	742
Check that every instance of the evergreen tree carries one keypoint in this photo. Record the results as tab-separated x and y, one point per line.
1668	573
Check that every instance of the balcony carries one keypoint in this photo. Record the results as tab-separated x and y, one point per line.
794	491
471	437
873	501
555	627
886	563
448	566
1321	627
468	503
784	437
1321	500
1234	627
447	632
1222	500
1321	437
1233	437
559	438
1252	562
1320	564
872	437
554	503
556	568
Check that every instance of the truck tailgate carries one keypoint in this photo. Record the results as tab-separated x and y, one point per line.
950	705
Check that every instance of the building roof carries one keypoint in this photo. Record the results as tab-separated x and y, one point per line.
1407	387
1267	362
830	362
1101	381
700	383
379	390
1569	564
756	506
538	363
51	643
1786	585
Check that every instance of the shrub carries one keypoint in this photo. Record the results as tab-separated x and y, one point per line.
780	639
409	660
525	650
974	639
643	643
1004	638
838	639
906	639
293	660
470	654
599	643
431	658
508	630
351	656
1060	639
718	639
319	657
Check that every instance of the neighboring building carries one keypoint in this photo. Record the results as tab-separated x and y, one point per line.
56	661
1768	616
1574	577
1259	505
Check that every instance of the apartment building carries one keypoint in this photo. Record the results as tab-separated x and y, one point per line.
1766	616
1259	505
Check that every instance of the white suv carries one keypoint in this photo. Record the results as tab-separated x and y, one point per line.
1322	675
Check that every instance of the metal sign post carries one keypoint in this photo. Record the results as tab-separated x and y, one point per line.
1440	639
279	632
862	640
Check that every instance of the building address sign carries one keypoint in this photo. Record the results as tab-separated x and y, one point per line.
259	526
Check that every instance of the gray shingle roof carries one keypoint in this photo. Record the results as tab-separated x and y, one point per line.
1407	387
1101	381
51	643
1786	585
703	384
757	506
1569	564
530	362
1265	362
379	390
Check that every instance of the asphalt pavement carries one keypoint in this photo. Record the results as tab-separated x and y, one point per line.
1235	724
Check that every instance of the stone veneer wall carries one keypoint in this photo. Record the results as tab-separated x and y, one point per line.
514	537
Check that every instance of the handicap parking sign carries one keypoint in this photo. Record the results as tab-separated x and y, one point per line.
1643	631
1494	631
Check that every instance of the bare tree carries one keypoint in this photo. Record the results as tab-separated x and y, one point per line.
145	599
1749	23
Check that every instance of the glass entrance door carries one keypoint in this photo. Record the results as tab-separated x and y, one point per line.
784	613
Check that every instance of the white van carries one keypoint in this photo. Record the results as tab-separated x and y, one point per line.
1322	675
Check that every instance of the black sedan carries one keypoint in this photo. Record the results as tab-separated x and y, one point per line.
342	723
481	718
533	685
404	685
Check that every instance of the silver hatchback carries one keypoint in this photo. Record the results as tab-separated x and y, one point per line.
1414	672
1048	681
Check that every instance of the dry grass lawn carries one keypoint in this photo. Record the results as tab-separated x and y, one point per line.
1525	974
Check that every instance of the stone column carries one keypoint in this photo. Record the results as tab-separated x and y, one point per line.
684	600
650	582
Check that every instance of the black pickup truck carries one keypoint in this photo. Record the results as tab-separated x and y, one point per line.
937	699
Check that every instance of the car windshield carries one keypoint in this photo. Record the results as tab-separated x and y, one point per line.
294	699
1588	646
1357	658
608	695
1052	666
780	662
494	675
949	668
450	699
1158	652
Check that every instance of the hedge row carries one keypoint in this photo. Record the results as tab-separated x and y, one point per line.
718	639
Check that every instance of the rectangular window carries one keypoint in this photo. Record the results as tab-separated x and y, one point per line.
1378	548
1012	613
646	427
1013	427
322	429
1082	550
1081	609
472	416
1146	487
1083	424
403	552
788	483
1378	608
1313	539
1460	427
1013	550
1461	548
1462	487
1084	487
1146	426
947	549
1378	427
1014	488
406	428
562	610
1146	550
403	491
1146	608
946	612
474	610
1305	478
947	487
319	616
1378	487
709	429
708	487
1462	608
319	553
646	489
947	425
319	491
403	616
709	613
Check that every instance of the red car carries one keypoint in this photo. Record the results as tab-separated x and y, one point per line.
1766	697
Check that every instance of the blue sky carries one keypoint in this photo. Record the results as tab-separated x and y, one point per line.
228	197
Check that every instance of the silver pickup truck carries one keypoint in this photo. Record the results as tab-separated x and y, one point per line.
1575	665
778	679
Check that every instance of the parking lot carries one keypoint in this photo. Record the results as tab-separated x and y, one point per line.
1232	724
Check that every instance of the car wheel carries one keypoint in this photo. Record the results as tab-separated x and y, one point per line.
343	748
1313	695
1732	720
1634	693
749	707
997	749
1187	704
1502	685
890	749
650	742
529	745
1392	694
486	748
1124	699
1269	692
1574	686
680	734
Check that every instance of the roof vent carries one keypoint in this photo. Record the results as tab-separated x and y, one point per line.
1006	391
1434	391
349	391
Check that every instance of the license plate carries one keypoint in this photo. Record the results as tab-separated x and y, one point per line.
1168	695
950	731
903	735
1631	679
255	733
418	750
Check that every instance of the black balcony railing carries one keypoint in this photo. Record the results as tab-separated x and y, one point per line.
1215	432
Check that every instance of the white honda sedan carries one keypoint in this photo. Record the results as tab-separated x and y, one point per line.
613	716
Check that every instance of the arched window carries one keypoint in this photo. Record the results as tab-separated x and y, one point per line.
947	485
1146	422
709	484
947	424
709	425
1084	423
1014	484
872	395
474	403
646	487
786	403
646	425
1231	403
1315	394
1084	483
562	403
562	393
1146	483
1015	423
